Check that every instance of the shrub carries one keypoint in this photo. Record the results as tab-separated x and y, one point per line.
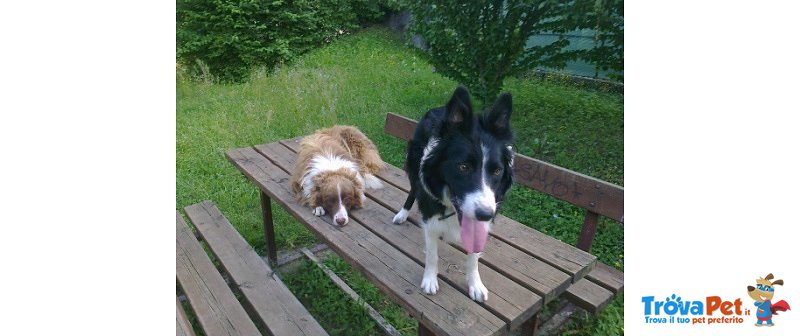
231	37
479	43
605	18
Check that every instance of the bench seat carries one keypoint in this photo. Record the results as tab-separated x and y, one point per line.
273	308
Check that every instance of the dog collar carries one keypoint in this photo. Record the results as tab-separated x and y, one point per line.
447	216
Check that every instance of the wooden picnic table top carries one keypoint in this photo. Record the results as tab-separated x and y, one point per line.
521	267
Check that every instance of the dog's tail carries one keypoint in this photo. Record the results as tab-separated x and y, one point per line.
402	215
372	182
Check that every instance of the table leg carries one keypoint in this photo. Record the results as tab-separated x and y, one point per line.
422	330
269	229
530	327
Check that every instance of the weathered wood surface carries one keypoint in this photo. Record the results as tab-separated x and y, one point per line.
588	230
269	229
547	267
397	275
589	295
182	325
584	191
505	234
215	306
277	308
608	277
522	268
527	270
509	300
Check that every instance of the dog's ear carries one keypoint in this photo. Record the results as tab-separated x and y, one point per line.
497	120
750	288
777	282
458	113
769	276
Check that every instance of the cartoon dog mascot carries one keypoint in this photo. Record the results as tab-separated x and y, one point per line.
763	293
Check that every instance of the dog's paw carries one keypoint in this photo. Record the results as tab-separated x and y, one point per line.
477	291
318	211
400	217
430	284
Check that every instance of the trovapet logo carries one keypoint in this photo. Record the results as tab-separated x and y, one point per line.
715	310
673	309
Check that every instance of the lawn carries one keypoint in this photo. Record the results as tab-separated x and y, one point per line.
355	80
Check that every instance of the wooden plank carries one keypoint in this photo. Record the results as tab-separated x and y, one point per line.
182	325
448	312
604	283
292	256
588	295
608	277
217	309
531	271
400	126
584	191
270	299
550	250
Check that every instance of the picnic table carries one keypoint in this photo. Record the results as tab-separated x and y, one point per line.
522	268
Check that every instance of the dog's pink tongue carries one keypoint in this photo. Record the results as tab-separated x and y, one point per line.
473	234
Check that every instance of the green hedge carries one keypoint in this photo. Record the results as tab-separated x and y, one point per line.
231	37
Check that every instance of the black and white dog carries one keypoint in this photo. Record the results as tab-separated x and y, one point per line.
460	168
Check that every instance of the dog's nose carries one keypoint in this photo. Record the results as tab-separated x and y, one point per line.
341	220
483	214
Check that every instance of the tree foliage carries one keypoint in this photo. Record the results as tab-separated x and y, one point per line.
606	19
479	43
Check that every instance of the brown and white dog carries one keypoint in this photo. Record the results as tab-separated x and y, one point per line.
334	166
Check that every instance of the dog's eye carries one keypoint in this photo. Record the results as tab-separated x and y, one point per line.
463	168
497	172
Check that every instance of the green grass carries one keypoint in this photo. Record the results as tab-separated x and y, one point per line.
355	81
334	309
